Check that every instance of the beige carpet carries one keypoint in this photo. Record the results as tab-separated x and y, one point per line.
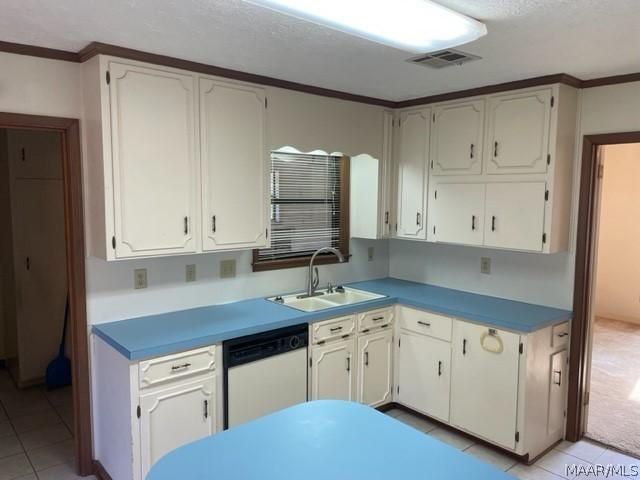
614	404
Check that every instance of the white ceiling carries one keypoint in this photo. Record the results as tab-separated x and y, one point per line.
527	38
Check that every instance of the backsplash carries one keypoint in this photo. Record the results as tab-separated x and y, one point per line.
111	296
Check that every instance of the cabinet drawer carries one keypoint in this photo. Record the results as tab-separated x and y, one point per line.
374	319
170	367
560	335
334	328
426	323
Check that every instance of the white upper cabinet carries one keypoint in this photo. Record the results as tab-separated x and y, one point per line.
413	159
155	174
515	215
459	213
456	138
518	132
233	159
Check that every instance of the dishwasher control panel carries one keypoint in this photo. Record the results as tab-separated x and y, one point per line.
263	345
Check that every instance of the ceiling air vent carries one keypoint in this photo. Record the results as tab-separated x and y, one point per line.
443	58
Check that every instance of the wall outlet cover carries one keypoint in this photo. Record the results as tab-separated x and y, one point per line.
140	278
228	268
190	273
485	265
370	252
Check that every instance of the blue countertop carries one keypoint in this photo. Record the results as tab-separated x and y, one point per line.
327	439
166	333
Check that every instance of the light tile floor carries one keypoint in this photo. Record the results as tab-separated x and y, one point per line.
584	455
35	433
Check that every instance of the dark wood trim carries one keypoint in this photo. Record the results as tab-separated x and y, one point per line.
97	48
100	472
43	52
613	80
497	88
74	240
322	259
585	242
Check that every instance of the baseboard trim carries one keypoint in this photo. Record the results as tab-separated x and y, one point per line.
520	458
100	472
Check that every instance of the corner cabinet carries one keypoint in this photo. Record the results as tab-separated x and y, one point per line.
492	171
232	132
159	140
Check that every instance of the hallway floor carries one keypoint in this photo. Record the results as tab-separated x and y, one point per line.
35	433
614	399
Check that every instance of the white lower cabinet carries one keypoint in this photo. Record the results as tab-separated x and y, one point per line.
333	368
375	376
174	416
484	384
424	374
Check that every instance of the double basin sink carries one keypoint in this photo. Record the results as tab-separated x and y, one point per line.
325	299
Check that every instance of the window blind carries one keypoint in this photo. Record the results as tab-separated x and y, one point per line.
305	204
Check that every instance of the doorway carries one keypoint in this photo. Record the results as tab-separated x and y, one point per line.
613	411
603	361
43	287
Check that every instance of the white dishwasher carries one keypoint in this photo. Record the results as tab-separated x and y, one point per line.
264	373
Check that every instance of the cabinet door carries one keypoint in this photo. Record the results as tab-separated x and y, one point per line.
557	392
175	416
484	382
459	213
375	378
35	154
519	132
456	138
155	173
515	215
412	173
234	156
424	374
333	371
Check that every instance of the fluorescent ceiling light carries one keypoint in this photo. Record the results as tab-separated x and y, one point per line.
418	26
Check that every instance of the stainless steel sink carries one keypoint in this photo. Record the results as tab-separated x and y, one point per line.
323	299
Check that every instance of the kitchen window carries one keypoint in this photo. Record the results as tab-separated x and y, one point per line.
309	210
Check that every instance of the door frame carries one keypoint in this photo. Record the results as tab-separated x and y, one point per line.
69	129
583	280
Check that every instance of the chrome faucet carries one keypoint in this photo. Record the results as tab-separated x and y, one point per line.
314	277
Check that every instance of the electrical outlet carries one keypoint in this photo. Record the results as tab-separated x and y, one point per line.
140	278
228	268
370	252
190	273
485	265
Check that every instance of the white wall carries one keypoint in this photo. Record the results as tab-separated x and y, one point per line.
618	259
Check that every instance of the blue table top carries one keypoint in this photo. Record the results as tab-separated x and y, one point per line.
321	440
172	332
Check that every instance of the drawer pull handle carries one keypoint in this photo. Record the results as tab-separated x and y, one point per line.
464	346
493	223
563	334
471	151
348	364
559	373
473	222
366	359
180	367
206	408
335	329
420	322
440	368
377	319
